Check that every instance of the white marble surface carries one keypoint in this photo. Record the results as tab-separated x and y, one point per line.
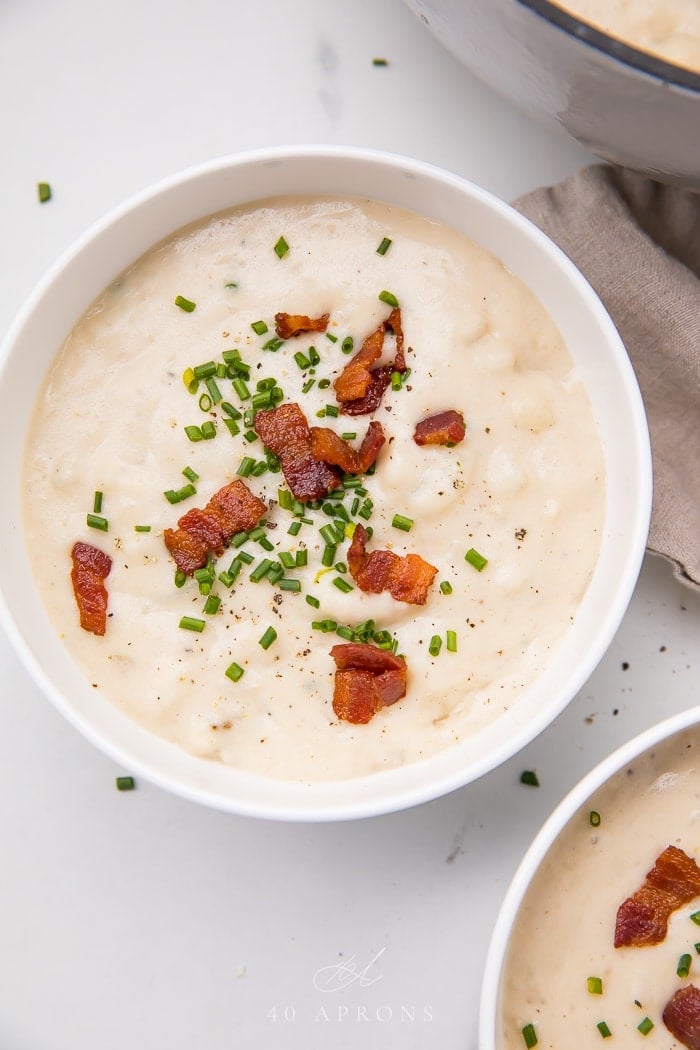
142	920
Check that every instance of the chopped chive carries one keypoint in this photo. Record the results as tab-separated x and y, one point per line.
446	587
262	399
230	410
594	818
245	467
205	403
332	410
96	521
385	243
238	368
190	380
389	298
238	539
290	585
477	560
284	498
259	327
180	578
328	534
208	430
246	557
213	388
347	344
226	578
231	284
294	528
281	248
241	388
232	427
595	985
451	641
331	337
205	370
125	783
307	386
194	433
349	435
384	62
302	360
142	528
645	1026
248	417
529	777
323	384
342	585
265	384
328	556
221	371
529	1035
302	558
185	304
268	638
177	495
261	570
313	602
326	626
97	502
435	645
190	474
275	572
399	521
234	671
696	917
683	968
314	356
273	344
250	436
212	604
286	559
43	192
346	632
321	414
396	381
697	947
191	623
355	505
603	1029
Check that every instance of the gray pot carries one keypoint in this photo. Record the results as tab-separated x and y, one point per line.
620	103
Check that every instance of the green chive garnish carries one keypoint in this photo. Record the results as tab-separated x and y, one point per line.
231	284
451	641
389	298
645	1026
326	626
529	777
294	528
281	248
212	604
384	62
313	602
180	578
194	433
205	370
44	192
185	304
594	818
446	587
259	327
595	985
125	783
289	585
190	474
696	917
191	623
245	467
529	1035
385	243
396	381
435	645
261	570
96	521
230	410
342	584
214	392
347	344
476	559
273	344
302	360
235	672
323	384
331	337
268	638
241	388
399	521
97	502
683	968
208	430
603	1029
142	528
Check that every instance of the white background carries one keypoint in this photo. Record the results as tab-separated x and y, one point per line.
140	920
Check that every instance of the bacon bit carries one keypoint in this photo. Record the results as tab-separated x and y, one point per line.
232	509
366	679
446	428
91	568
329	447
288	325
682	1016
643	918
407	579
286	433
360	388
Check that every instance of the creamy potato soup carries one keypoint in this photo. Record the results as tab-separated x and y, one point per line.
523	494
668	29
564	933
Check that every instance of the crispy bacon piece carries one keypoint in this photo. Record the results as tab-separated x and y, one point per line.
643	918
359	388
407	579
329	447
366	679
91	568
445	428
232	509
286	433
288	325
682	1016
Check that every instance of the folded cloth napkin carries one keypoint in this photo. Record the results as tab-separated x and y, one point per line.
638	243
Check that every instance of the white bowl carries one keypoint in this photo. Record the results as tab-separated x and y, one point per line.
126	233
576	800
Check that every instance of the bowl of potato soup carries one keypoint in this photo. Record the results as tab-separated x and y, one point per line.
598	934
329	483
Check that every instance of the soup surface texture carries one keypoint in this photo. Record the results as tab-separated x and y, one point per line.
525	489
670	31
565	928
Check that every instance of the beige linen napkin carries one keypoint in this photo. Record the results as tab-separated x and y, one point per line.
638	243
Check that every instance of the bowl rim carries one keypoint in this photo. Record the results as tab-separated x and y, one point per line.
528	867
627	54
364	803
